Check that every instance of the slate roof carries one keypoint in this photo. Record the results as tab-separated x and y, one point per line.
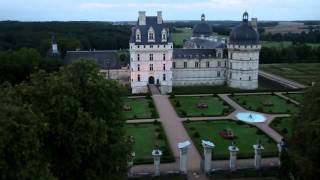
193	53
151	21
107	59
204	44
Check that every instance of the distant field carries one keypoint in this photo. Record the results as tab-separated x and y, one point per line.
304	73
283	44
180	36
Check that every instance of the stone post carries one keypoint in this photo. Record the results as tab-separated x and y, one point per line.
233	157
130	162
207	150
183	147
281	145
156	158
258	148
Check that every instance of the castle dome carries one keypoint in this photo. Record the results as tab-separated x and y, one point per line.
244	33
202	29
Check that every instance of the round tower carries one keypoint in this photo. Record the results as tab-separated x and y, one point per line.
243	56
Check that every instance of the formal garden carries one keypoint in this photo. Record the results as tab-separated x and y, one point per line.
283	126
139	108
266	103
146	137
196	106
295	96
223	132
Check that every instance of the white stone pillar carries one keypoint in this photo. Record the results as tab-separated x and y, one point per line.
156	159
183	147
258	148
233	157
130	162
280	146
207	150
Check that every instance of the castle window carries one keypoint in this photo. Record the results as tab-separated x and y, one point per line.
218	73
219	55
164	35
164	77
164	57
138	35
138	67
196	64
207	64
249	78
164	67
138	57
164	46
151	34
174	65
231	55
230	65
185	65
151	46
151	57
139	77
219	63
230	75
151	67
138	46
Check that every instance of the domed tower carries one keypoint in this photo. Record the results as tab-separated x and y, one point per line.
243	56
203	29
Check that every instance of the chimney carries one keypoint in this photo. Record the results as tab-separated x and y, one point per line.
142	18
254	24
159	17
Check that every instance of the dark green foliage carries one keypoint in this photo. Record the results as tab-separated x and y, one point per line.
172	96
183	113
68	126
192	128
259	132
160	136
148	96
150	104
154	113
240	122
284	131
259	109
304	144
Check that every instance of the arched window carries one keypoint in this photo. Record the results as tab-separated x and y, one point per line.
164	57
164	77
138	57
139	77
138	67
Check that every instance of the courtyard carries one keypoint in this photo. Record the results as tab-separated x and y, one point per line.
244	137
295	96
265	103
196	106
138	108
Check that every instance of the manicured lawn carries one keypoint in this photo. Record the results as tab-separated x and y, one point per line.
141	108
304	73
146	136
265	103
247	135
283	126
186	106
296	96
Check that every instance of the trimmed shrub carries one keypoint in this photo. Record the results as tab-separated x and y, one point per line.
154	113
148	96
156	122
160	136
240	122
284	131
196	134
172	96
188	121
150	104
192	128
135	116
158	130
288	101
259	109
202	114
183	113
177	103
244	103
259	132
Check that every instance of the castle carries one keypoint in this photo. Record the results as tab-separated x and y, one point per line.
202	61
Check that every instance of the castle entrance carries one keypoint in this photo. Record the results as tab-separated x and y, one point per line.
151	80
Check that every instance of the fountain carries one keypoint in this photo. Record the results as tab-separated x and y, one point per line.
251	117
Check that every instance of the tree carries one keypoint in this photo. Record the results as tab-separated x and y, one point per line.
81	110
304	144
20	134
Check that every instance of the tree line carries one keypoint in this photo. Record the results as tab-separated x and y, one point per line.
312	36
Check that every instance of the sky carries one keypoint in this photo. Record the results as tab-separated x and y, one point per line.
127	10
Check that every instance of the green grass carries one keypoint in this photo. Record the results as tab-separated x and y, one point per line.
283	126
303	73
146	137
188	106
259	103
246	136
296	96
179	37
140	108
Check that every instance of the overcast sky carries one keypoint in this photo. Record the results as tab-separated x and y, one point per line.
126	10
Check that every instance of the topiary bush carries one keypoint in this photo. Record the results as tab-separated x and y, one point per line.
259	132
183	113
284	131
160	136
172	96
150	104
196	134
148	96
192	128
177	103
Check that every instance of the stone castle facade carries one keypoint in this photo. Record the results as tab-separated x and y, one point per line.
153	60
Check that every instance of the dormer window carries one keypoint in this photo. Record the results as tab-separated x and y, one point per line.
151	35
138	35
164	35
